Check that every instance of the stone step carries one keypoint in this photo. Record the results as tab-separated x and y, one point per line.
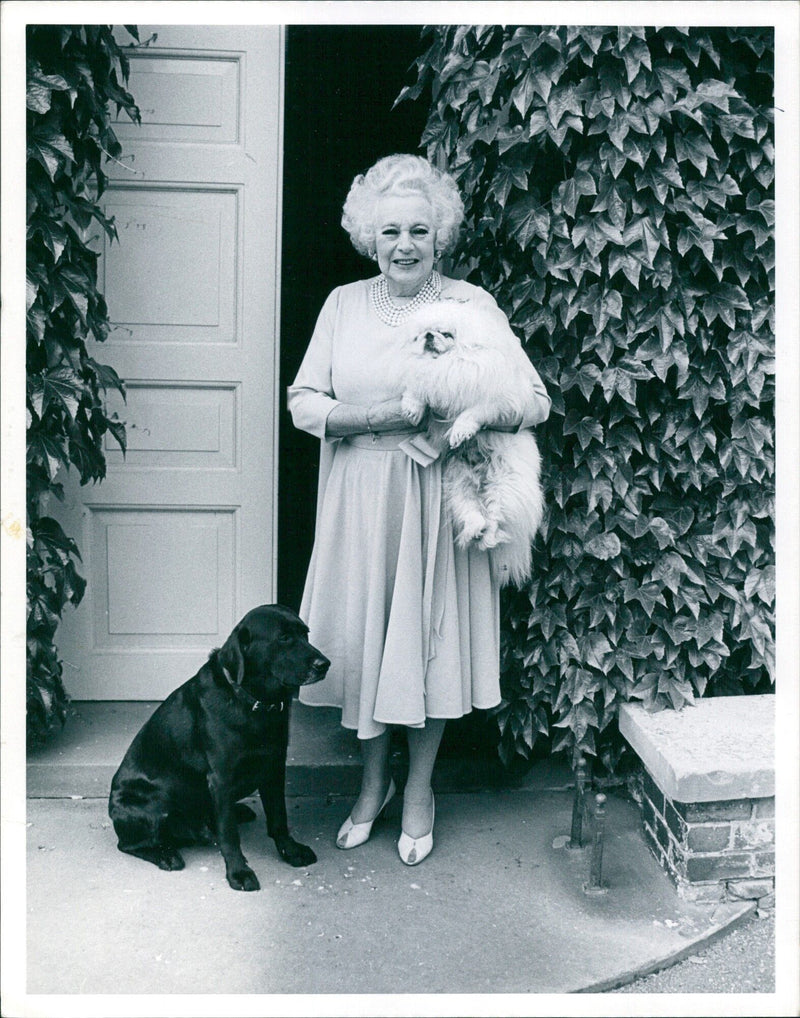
719	748
323	757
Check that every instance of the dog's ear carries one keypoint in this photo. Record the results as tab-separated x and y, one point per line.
231	656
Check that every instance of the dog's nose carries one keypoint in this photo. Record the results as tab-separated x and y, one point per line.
316	670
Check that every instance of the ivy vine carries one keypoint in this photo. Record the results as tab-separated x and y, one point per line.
75	75
619	189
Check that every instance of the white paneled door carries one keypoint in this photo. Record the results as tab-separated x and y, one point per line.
179	540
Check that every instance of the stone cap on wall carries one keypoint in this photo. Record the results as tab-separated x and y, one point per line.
719	748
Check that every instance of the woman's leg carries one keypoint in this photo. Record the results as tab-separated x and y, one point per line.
374	780
423	745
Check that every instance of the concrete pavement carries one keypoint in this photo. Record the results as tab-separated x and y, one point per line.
498	907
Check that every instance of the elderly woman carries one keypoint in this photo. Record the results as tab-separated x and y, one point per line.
409	620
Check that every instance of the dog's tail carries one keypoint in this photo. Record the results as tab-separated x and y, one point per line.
511	563
523	505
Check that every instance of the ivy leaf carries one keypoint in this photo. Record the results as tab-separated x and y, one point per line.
523	93
648	595
64	387
695	148
50	147
571	191
74	585
77	287
737	125
672	77
48	451
722	303
596	233
107	377
505	178
547	70
604	546
585	378
560	101
661	531
679	692
41	616
715	93
643	235
50	533
54	236
657	180
527	219
40	87
597	651
610	199
704	191
117	429
636	55
761	583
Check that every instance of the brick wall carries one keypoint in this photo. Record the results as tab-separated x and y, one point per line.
712	850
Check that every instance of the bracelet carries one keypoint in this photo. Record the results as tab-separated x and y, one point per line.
512	429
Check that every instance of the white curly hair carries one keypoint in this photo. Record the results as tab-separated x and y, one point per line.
402	174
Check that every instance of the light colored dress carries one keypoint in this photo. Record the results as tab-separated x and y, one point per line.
409	621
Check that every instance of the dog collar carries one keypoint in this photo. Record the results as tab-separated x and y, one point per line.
279	706
252	702
259	705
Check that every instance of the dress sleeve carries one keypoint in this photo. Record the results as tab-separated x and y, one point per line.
311	398
539	403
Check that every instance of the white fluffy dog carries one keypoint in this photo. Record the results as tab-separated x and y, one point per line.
469	369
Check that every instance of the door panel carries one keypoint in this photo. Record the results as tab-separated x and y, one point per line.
178	540
188	426
180	247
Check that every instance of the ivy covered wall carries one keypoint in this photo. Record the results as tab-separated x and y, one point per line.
76	77
619	191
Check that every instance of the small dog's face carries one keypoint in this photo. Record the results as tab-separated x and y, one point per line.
272	645
438	328
435	341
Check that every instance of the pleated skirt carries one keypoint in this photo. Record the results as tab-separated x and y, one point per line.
409	621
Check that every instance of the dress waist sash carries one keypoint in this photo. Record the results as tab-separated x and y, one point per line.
380	442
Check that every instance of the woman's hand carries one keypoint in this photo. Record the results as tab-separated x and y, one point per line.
378	418
388	416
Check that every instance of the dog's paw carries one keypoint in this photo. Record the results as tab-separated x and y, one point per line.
294	853
243	879
412	409
462	431
492	536
473	528
169	859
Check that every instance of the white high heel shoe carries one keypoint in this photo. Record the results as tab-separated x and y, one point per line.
413	850
352	835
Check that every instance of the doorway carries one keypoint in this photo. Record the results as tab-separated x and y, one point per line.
340	84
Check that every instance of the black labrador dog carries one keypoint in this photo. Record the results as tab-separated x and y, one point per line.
213	741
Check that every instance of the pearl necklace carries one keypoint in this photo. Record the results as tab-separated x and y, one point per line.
393	314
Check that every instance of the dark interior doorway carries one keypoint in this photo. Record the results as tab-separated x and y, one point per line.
341	82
